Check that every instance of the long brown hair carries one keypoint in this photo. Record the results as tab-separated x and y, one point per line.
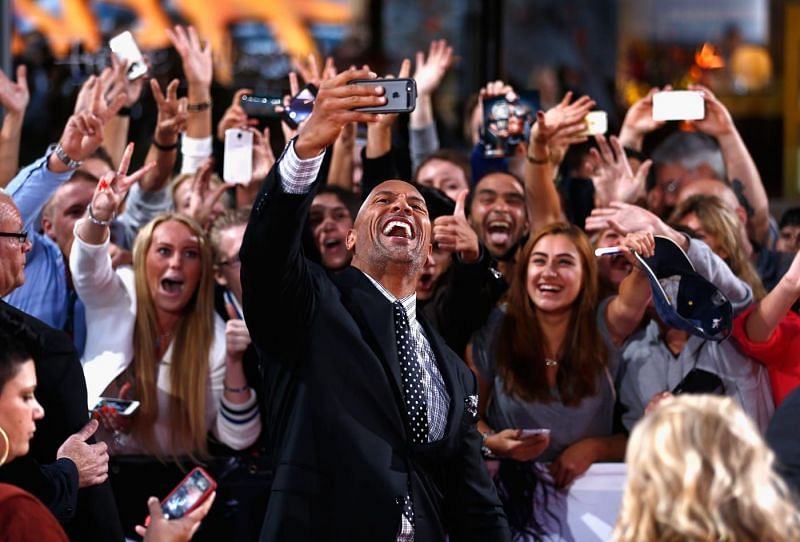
192	343
723	225
520	350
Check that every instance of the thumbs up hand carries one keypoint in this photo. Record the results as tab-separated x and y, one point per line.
454	234
237	337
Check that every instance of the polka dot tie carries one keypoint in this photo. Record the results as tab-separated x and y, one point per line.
411	374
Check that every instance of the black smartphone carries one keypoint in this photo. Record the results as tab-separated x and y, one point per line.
262	106
400	94
700	381
300	106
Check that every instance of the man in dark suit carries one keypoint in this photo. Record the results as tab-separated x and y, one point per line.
371	416
60	460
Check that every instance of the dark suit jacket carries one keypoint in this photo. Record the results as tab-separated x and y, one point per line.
782	438
335	408
89	513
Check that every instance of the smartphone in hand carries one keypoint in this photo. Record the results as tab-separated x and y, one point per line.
262	106
124	407
528	433
678	105
400	94
300	106
237	166
124	46
700	381
193	490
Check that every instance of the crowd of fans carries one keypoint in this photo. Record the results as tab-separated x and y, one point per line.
140	271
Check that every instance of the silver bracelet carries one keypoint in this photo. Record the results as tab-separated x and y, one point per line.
62	155
94	220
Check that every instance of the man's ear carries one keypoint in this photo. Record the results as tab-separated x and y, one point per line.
350	240
47	228
219	277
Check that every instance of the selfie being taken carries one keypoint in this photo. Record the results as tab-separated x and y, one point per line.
389	271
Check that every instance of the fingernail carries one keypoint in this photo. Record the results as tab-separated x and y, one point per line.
378	90
103	185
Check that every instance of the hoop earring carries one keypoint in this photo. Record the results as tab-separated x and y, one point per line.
8	446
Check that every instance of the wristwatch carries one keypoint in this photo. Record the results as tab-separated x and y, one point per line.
64	157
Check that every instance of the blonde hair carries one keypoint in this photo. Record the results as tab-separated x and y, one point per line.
698	470
723	225
190	349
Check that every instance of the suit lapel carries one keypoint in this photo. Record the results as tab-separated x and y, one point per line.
373	314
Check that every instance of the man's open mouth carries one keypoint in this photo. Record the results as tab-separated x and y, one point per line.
398	228
499	232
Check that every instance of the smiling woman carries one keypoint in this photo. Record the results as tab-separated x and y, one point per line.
549	360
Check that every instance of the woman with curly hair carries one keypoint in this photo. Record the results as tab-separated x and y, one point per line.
699	470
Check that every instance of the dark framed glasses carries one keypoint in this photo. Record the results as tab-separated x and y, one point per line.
21	236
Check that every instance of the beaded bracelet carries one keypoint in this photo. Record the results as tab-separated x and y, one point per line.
94	220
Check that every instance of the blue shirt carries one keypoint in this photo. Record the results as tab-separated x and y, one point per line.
45	293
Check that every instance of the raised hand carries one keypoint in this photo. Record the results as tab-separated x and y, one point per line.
718	120
310	70
237	336
263	157
430	71
333	109
387	119
558	128
639	121
195	56
91	460
235	115
172	115
114	185
14	97
613	177
118	82
623	218
203	197
454	234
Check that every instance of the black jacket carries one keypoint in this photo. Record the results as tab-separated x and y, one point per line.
86	514
335	413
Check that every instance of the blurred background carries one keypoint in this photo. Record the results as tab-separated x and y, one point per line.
747	51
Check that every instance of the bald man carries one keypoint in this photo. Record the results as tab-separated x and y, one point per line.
372	416
770	264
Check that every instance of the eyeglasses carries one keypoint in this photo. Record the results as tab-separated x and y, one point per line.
233	262
21	237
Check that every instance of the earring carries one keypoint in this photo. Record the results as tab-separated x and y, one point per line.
8	446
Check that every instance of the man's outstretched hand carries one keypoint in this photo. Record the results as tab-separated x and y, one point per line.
333	109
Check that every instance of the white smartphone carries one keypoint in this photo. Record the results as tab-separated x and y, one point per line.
527	433
596	123
237	166
607	251
678	105
124	407
124	46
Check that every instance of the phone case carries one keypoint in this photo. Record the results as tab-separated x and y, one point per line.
237	164
124	46
187	495
401	95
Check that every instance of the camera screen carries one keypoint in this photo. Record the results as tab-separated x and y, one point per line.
186	495
507	124
301	105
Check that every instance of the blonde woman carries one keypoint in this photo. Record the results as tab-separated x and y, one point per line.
152	330
699	470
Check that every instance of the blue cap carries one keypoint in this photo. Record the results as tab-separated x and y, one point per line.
683	298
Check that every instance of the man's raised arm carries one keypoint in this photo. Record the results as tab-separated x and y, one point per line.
276	284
